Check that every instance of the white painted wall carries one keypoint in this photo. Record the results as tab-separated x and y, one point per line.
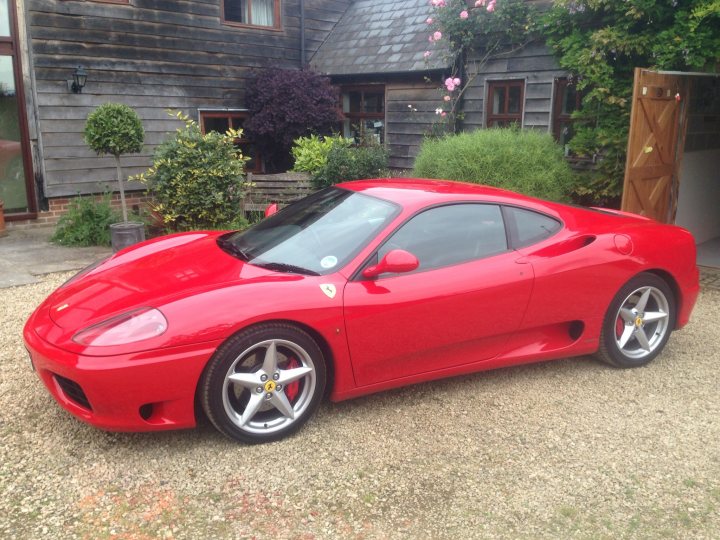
699	196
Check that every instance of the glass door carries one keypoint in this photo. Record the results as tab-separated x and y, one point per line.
15	177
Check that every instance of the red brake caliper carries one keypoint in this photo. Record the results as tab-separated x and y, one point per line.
619	327
292	389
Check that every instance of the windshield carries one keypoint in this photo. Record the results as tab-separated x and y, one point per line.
316	235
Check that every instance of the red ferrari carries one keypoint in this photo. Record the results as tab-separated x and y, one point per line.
358	288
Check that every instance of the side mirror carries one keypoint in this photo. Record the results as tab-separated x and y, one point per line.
397	261
271	209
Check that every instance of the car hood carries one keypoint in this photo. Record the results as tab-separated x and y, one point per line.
150	274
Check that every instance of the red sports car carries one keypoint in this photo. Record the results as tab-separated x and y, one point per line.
358	288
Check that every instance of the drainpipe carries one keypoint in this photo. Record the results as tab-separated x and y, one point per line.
303	59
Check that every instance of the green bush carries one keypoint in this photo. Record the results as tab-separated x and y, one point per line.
352	163
525	161
310	153
115	129
86	223
196	179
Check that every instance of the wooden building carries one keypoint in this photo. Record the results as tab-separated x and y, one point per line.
195	55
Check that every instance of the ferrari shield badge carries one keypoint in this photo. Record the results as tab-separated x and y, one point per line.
328	289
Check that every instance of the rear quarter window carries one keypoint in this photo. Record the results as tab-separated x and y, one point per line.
528	227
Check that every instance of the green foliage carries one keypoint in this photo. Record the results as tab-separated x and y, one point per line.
310	153
197	180
468	43
600	42
86	223
525	161
114	129
352	163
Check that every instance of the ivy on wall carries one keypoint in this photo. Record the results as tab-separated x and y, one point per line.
600	42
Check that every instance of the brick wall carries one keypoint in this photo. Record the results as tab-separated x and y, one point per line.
58	206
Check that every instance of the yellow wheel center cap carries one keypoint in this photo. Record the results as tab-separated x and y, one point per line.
638	321
270	386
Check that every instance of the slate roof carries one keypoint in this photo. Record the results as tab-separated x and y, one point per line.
379	36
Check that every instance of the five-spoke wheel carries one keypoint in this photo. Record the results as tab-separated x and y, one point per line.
264	383
638	322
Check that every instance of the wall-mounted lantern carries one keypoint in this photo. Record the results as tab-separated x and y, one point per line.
79	80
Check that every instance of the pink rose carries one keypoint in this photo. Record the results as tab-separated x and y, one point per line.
480	3
491	6
429	21
443	114
456	81
426	54
463	14
447	98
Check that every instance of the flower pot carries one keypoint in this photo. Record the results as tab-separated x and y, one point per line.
126	234
2	218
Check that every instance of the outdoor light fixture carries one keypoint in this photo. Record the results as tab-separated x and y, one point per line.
79	80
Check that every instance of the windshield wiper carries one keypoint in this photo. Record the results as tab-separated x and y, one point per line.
232	249
283	267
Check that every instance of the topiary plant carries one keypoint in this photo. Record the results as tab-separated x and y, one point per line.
115	129
197	179
526	161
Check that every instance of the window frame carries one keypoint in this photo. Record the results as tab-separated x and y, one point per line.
511	228
277	16
231	114
10	46
359	118
560	119
373	258
492	118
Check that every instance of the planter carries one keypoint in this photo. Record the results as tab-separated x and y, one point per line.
126	234
2	218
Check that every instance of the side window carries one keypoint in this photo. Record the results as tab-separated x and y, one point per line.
528	227
451	234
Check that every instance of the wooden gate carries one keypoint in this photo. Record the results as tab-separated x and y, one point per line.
655	142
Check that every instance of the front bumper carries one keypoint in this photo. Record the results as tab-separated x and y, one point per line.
145	391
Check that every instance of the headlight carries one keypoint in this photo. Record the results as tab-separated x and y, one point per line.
137	325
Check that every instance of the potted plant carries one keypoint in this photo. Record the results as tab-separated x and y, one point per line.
116	129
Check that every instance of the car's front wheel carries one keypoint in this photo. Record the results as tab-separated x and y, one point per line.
263	383
638	322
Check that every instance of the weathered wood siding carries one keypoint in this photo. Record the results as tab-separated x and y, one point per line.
151	55
410	114
535	65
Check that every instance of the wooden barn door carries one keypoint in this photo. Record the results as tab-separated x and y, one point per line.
655	145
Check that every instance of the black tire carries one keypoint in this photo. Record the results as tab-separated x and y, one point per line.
237	407
633	337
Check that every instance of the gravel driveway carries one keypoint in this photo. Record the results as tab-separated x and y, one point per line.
569	448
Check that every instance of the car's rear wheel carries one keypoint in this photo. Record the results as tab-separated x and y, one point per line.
264	383
638	322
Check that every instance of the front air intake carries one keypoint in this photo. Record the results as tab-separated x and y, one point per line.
72	391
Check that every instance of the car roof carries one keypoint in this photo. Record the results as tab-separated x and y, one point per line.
419	192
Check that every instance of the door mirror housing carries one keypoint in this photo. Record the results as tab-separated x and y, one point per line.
396	261
271	209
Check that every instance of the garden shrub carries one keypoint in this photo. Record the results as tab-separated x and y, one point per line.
284	105
86	222
352	163
196	179
525	161
310	153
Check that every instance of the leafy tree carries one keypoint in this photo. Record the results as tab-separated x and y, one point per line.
115	129
284	105
600	42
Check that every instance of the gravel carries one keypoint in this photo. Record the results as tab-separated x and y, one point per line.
569	448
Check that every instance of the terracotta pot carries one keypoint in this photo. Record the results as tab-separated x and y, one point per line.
2	218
